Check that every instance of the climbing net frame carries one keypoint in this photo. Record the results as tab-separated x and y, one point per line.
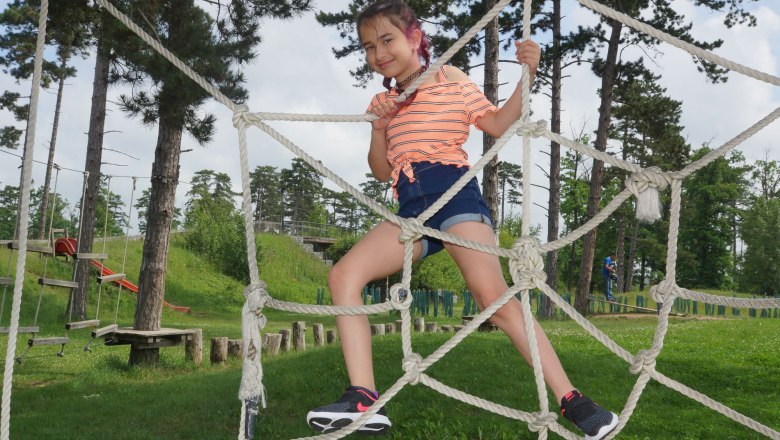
525	255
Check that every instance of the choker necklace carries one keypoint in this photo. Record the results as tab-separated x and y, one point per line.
401	85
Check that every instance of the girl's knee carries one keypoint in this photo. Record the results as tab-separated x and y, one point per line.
341	282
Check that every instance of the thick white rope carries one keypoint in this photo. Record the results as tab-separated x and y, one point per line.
524	266
24	212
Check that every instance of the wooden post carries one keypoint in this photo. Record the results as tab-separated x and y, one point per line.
219	350
377	329
419	325
193	348
389	328
398	324
430	327
319	335
273	343
330	336
235	348
457	328
446	328
285	342
299	335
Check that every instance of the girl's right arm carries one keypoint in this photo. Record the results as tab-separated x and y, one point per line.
377	154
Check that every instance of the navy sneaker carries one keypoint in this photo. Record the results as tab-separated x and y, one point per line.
593	420
352	404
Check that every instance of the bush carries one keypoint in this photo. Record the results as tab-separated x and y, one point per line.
218	235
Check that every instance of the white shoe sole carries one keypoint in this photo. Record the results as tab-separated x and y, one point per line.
606	429
329	422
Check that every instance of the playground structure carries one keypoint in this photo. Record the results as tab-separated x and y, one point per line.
525	255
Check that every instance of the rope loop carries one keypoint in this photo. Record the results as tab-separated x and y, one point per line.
527	266
410	230
666	290
533	129
240	115
411	365
643	361
541	420
400	297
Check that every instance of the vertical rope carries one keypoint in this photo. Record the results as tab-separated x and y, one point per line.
54	204
51	243
24	212
77	261
124	254
105	233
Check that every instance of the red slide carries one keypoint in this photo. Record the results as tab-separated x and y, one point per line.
67	246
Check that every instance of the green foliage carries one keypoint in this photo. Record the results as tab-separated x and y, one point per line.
342	246
142	207
761	234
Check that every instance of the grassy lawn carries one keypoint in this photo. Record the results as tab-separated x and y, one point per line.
96	395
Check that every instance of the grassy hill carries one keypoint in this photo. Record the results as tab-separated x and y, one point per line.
97	396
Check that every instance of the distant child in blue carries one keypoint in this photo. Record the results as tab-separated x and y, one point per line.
608	270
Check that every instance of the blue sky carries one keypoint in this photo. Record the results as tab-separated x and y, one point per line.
296	72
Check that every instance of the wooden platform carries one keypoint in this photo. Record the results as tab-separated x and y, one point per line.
5	281
145	339
110	278
32	248
6	330
58	283
98	332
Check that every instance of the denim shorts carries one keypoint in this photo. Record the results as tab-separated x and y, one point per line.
431	181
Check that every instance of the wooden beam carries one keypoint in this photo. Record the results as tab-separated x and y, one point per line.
88	256
82	324
109	278
5	281
58	283
47	341
32	248
104	330
6	330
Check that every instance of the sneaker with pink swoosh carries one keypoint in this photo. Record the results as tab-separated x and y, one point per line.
352	404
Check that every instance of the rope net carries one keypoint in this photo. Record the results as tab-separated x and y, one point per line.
525	255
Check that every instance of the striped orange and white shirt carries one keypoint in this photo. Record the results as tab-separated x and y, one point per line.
434	126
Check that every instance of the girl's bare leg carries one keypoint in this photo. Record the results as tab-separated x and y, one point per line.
485	280
377	255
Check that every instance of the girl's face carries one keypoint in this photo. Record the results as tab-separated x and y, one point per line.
388	51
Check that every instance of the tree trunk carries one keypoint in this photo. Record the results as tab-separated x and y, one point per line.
594	200
631	255
97	119
165	177
490	172
642	274
554	204
620	250
52	145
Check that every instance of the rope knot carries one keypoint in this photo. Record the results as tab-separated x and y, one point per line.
410	230
643	361
666	290
527	266
645	185
400	297
533	129
240	115
541	420
411	365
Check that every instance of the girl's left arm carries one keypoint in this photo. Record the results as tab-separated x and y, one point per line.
496	123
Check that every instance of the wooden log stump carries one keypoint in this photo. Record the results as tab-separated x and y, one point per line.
274	341
299	335
193	348
446	328
285	342
377	329
219	350
430	327
330	336
457	328
236	348
419	325
319	335
389	328
398	324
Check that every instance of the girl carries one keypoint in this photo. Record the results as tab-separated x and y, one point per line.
419	146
